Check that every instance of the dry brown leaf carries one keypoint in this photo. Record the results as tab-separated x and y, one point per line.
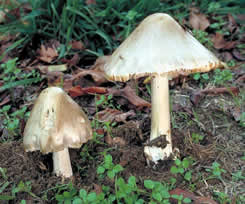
100	62
89	2
5	100
119	141
97	75
221	43
47	54
108	139
192	196
198	20
79	91
197	95
238	55
77	45
113	115
97	188
130	94
127	92
232	25
73	61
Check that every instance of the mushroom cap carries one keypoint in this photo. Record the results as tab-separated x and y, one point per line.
56	122
159	45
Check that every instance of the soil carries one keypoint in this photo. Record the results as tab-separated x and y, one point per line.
223	142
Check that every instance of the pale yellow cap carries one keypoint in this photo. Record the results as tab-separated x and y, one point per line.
56	122
159	46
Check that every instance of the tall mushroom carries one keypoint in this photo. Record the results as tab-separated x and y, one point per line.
161	48
55	124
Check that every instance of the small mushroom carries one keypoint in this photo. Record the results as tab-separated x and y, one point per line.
55	124
163	49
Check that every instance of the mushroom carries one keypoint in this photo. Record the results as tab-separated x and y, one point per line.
55	124
159	47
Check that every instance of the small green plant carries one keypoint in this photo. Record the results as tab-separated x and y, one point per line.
11	121
109	167
239	175
216	171
128	192
13	76
196	138
181	167
221	77
159	192
203	78
242	119
23	187
222	197
181	199
203	38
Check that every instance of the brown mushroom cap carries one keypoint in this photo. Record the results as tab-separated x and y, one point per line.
159	45
56	122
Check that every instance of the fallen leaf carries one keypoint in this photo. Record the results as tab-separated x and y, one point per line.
232	25
196	96
236	113
47	54
100	62
79	91
5	100
119	141
113	115
240	79
89	2
77	45
192	196
73	61
127	92
130	95
100	131
238	55
108	139
97	75
198	20
97	188
221	43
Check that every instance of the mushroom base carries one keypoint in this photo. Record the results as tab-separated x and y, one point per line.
62	163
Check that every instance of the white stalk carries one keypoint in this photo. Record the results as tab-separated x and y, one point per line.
160	119
62	163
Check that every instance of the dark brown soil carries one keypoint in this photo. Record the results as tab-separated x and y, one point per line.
37	168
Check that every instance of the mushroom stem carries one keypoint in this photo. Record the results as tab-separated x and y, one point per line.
160	119
62	163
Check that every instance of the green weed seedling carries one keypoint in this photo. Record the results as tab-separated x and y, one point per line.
222	76
181	199
23	187
11	121
68	194
239	175
196	138
109	167
13	76
242	119
127	192
216	171
203	38
202	78
181	167
222	197
159	192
